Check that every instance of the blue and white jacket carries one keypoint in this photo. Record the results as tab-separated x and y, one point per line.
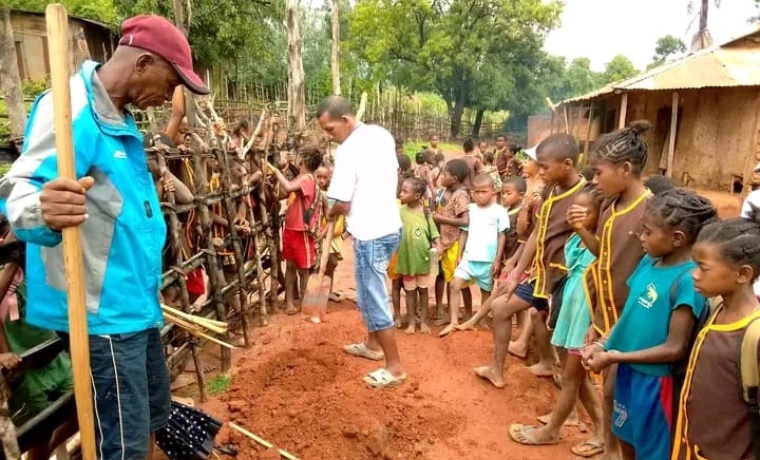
124	235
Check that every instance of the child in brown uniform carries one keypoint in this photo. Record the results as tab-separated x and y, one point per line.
713	418
472	160
452	213
617	160
556	156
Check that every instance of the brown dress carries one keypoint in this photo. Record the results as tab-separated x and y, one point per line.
713	419
553	232
619	254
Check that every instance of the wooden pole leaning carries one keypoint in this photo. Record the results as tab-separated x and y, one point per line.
58	42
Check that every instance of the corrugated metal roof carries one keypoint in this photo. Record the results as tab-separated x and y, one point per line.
718	66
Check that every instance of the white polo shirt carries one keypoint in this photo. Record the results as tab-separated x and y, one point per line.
754	199
366	175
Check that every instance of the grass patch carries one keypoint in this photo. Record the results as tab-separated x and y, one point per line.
411	149
219	384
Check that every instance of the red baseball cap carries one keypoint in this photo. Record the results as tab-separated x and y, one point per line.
159	36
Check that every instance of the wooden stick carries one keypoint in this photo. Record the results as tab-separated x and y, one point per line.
261	441
58	41
197	332
201	321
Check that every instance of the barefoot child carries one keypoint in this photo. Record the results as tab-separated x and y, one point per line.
714	420
490	169
298	243
572	323
656	325
556	156
473	162
418	235
451	215
404	172
323	175
481	247
617	160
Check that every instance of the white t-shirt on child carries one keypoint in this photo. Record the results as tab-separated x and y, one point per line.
486	224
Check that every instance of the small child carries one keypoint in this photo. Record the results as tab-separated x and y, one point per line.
512	198
656	325
425	171
714	420
490	169
323	175
404	172
451	215
418	235
481	248
299	249
473	162
573	321
658	184
482	149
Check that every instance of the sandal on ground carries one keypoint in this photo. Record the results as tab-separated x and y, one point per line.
570	423
588	449
360	350
381	378
335	297
521	434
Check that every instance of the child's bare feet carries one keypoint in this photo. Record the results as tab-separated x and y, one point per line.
487	373
572	421
424	328
291	309
442	320
518	350
397	322
534	435
541	370
485	323
409	330
467	326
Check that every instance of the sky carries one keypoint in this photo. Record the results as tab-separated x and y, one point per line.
601	29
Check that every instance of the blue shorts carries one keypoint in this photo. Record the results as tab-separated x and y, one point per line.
371	259
479	272
524	292
643	412
131	392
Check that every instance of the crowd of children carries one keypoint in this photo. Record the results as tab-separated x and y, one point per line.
610	274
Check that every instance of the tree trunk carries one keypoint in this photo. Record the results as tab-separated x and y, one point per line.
702	39
335	58
478	122
296	85
455	118
10	80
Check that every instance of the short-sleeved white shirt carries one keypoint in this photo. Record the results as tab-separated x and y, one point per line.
754	199
366	175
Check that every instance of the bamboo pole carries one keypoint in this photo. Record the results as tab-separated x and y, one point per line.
57	22
673	129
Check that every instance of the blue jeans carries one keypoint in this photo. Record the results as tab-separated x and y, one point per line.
371	259
131	392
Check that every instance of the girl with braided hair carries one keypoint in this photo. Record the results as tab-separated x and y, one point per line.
713	418
617	160
655	328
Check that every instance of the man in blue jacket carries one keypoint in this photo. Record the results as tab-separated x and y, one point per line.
115	204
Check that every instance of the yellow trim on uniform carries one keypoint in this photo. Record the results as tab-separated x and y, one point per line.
543	222
682	423
605	287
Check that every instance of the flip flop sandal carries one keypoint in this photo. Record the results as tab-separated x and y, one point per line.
360	350
521	434
588	449
381	378
579	424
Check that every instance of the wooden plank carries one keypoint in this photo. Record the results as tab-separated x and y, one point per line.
673	134
623	111
587	144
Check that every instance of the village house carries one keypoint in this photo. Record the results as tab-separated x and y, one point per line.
89	40
703	109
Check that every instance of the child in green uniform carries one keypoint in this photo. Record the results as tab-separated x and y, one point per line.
37	388
418	234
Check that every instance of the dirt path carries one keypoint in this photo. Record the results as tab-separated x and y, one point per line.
297	388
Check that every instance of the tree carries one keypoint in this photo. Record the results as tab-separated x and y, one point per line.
702	38
619	68
666	47
296	88
335	54
101	10
10	81
470	52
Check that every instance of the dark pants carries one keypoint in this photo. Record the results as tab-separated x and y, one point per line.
131	392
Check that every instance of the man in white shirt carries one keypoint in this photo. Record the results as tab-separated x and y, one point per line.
363	187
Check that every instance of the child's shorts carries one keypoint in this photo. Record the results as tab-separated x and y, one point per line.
449	262
643	412
412	282
524	292
479	272
392	275
299	248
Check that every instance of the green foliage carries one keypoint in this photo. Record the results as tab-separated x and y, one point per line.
100	10
666	46
32	88
619	68
473	53
4	168
219	384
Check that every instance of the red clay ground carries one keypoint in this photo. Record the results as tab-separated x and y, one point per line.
296	388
